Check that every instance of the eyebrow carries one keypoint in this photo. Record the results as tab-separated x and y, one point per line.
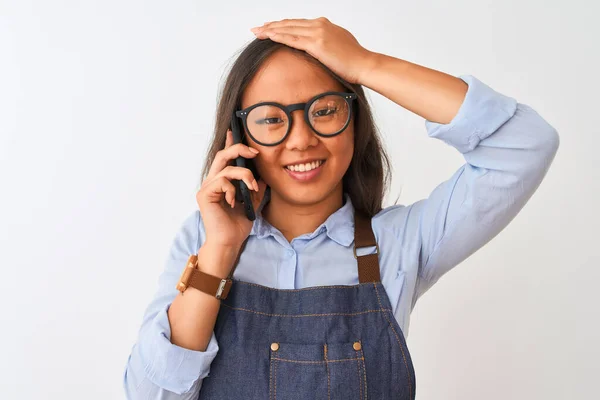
287	104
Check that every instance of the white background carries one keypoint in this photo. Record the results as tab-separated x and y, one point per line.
106	108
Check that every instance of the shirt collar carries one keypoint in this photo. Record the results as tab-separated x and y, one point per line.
339	226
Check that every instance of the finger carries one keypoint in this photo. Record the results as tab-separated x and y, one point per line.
223	157
298	42
288	22
217	189
228	139
288	30
228	142
213	168
241	174
229	190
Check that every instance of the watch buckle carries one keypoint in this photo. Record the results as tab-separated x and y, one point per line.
187	273
221	288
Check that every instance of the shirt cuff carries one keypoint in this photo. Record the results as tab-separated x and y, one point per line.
482	112
169	366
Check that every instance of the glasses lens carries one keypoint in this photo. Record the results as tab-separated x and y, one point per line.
267	124
329	114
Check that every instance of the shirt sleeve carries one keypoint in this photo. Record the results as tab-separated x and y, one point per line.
508	148
156	368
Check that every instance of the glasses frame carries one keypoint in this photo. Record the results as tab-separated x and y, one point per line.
349	97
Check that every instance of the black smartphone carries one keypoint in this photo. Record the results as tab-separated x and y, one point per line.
242	192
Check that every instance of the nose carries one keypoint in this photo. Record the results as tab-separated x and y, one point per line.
301	136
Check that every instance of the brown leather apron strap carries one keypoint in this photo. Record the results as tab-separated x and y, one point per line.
368	265
230	276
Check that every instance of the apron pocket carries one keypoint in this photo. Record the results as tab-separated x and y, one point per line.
328	371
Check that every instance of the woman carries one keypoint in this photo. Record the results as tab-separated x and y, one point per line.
324	279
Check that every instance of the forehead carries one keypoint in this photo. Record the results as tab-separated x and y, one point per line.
288	78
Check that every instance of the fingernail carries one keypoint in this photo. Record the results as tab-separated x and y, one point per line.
253	150
255	184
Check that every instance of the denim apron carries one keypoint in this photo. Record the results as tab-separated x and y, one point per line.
321	342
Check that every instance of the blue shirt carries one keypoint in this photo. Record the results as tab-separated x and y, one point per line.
508	148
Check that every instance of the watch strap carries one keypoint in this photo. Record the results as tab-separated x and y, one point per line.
207	283
210	284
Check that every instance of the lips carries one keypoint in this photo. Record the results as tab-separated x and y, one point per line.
305	176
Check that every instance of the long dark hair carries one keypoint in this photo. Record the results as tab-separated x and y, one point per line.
367	177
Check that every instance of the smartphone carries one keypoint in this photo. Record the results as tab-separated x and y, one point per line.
242	192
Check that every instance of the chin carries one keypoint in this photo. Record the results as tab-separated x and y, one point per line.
306	195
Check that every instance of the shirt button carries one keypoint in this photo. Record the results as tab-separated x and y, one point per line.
290	253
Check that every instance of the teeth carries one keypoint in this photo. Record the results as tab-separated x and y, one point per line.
304	167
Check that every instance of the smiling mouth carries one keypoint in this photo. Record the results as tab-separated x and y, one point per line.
305	167
311	171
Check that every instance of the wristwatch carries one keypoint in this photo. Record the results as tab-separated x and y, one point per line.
202	281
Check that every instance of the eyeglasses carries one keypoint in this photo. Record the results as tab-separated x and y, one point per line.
328	114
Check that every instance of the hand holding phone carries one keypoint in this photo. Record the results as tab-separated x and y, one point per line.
227	223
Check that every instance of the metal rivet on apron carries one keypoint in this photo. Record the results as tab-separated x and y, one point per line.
356	346
274	346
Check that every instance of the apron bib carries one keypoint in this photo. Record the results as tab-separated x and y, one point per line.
322	342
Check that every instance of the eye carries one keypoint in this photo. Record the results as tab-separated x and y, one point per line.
268	121
325	112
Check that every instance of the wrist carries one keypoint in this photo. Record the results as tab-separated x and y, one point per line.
216	260
370	62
